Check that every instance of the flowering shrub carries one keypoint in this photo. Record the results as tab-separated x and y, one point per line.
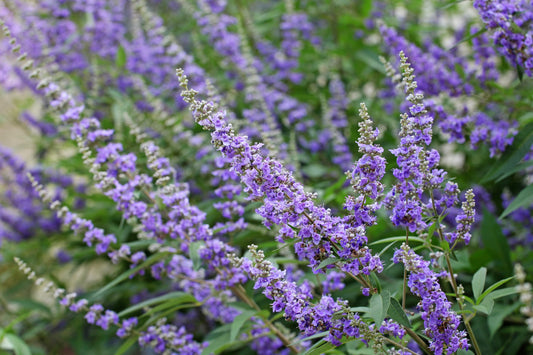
203	186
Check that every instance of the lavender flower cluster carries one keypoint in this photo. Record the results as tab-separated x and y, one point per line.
205	192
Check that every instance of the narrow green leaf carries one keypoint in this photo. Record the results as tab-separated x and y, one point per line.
332	192
396	313
469	37
215	344
468	299
124	276
433	228
194	247
493	287
311	337
398	239
513	155
326	262
478	282
371	59
486	306
376	308
495	319
238	322
315	170
120	57
445	245
125	346
14	343
519	69
524	199
168	307
319	348
177	297
495	242
464	352
503	292
379	305
517	168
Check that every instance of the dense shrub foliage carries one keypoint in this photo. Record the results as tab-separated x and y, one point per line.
270	177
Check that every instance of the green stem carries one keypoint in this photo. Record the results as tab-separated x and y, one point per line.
404	291
418	340
454	282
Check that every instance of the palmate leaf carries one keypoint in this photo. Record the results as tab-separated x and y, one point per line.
493	287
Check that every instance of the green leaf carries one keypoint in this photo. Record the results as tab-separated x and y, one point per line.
478	282
126	345
398	239
315	170
376	308
519	69
445	245
124	276
469	37
433	228
14	343
495	242
396	313
177	297
495	319
332	192
319	348
218	340
503	292
464	352
371	59
326	262
486	306
311	337
165	308
215	344
238	322
468	299
194	247
120	57
379	305
513	156
517	168
524	199
493	287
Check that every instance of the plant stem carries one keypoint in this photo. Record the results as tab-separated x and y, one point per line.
454	282
461	306
241	293
404	291
418	340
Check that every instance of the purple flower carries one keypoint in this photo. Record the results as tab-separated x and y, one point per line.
441	323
